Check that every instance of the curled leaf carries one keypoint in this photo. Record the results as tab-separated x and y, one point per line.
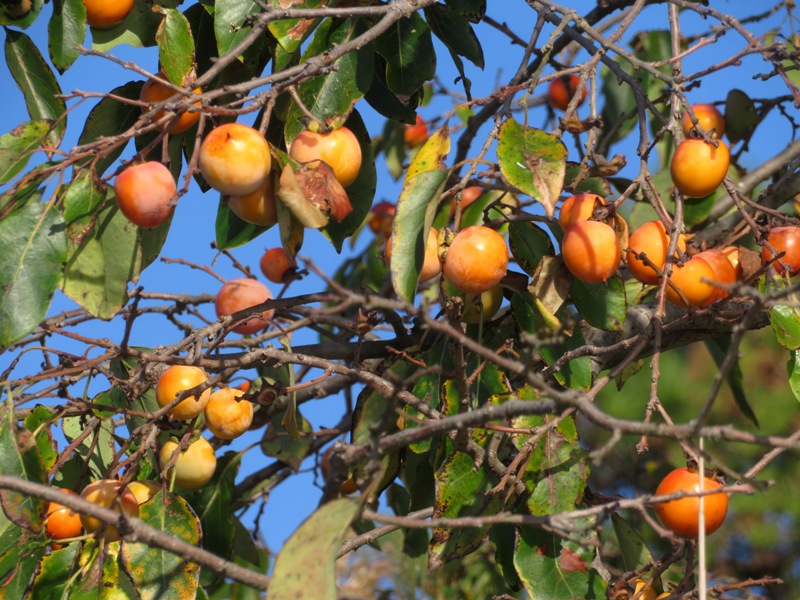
290	193
323	190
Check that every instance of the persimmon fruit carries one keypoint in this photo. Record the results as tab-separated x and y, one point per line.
175	380
652	240
591	251
153	91
431	265
786	242
709	119
339	149
240	294
468	196
105	14
381	217
257	207
475	311
416	134
563	88
275	265
579	207
145	193
692	280
194	467
697	167
733	254
108	493
235	159
228	415
62	523
476	260
681	516
723	273
144	491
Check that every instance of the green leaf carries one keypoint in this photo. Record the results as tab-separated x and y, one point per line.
635	553
416	208
280	445
20	553
450	26
231	231
578	182
741	116
17	146
66	31
603	305
53	574
101	577
291	33
97	272
529	244
38	422
157	573
549	568
534	161
719	348
461	490
410	57
34	249
793	368
620	101
108	119
97	449
383	100
306	561
80	200
785	322
556	473
20	457
137	30
175	45
334	93
229	18
37	82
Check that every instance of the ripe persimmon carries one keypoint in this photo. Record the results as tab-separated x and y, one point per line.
227	415
652	240
257	207
339	149
563	88
145	193
709	119
235	159
240	294
476	260
431	265
591	251
108	493
723	273
416	134
176	379
103	14
381	217
733	254
194	467
786	242
153	91
681	516
692	280
61	522
275	265
697	167
579	207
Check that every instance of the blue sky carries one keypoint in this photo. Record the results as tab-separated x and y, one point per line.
193	226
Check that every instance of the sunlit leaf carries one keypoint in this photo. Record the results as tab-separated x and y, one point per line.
175	45
66	31
534	161
17	146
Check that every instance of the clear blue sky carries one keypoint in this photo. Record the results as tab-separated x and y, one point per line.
193	226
